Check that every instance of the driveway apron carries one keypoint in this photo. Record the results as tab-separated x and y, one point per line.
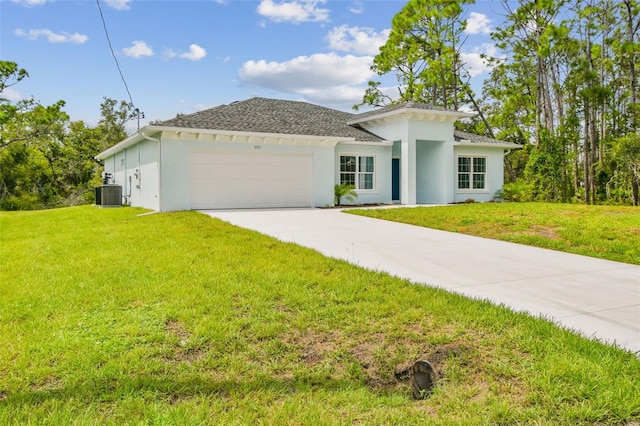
598	298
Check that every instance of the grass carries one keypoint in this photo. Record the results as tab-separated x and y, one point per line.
109	318
607	232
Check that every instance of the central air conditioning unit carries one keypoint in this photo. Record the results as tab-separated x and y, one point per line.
109	195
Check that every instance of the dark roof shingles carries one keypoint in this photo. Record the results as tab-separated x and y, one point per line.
261	115
473	138
398	106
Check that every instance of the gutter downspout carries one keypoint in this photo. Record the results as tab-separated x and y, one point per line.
124	184
159	168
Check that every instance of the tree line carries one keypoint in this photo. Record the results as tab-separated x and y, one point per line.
47	161
564	85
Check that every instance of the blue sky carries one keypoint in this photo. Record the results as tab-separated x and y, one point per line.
185	56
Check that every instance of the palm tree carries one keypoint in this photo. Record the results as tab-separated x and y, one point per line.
344	190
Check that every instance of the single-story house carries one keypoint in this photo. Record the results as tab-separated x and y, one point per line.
261	153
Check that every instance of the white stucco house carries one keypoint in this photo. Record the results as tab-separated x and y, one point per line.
261	153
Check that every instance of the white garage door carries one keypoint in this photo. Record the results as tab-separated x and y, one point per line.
229	180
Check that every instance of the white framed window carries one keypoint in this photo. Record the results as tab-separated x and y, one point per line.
359	171
472	173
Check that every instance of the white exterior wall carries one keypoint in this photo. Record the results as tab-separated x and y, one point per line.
382	172
135	169
432	186
175	175
176	157
118	175
434	160
142	175
494	177
149	178
397	149
398	131
110	165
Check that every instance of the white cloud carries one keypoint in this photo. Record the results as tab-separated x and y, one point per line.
337	95
138	50
201	107
295	11
51	36
360	40
119	4
319	78
478	23
225	2
357	7
195	53
31	3
474	64
11	95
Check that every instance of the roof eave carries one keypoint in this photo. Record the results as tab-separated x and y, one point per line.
130	141
503	145
382	142
412	113
235	136
251	137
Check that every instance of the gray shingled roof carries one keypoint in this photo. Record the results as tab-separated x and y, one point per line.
473	138
398	106
262	115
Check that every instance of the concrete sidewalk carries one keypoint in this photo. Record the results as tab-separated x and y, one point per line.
599	298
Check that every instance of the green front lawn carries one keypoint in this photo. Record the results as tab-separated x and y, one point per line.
606	232
109	317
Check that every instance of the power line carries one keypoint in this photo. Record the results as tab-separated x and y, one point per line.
104	24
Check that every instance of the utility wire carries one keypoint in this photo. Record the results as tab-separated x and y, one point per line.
104	24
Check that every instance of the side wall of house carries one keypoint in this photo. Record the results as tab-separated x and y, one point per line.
494	174
135	169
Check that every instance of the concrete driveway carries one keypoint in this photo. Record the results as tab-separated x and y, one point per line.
599	298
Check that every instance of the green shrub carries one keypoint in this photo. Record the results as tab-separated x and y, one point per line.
517	191
343	190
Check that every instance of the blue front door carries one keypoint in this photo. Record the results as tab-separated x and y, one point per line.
395	179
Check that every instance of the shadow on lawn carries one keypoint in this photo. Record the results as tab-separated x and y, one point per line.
172	390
